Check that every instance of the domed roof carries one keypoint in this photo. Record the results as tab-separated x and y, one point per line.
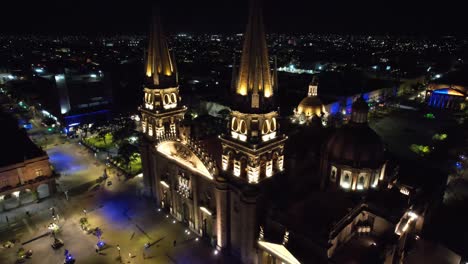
310	105
360	105
355	145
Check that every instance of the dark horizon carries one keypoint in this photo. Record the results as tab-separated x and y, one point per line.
209	16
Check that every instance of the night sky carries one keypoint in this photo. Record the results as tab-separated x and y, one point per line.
290	16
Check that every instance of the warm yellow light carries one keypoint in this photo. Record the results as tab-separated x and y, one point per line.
236	171
253	174
225	161
280	251
268	92
269	168
148	71
242	89
205	210
404	191
163	183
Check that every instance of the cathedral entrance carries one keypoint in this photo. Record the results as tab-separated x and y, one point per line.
205	229
165	202
185	213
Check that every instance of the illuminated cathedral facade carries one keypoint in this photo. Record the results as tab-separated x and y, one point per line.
221	188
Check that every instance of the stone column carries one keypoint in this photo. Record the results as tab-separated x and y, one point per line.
248	207
196	211
155	175
222	209
146	164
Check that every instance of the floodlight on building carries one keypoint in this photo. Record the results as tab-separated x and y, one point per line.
163	183
205	210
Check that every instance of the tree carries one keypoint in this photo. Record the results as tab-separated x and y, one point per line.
124	129
127	153
102	134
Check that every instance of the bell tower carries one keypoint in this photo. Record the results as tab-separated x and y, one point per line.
253	147
161	111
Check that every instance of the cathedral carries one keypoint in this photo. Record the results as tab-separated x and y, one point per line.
248	192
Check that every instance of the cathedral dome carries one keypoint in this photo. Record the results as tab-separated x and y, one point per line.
355	145
310	106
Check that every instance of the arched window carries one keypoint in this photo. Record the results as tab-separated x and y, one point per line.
266	127
346	180
273	125
166	99
173	98
333	174
243	127
361	181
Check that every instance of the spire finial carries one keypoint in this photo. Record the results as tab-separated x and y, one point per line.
160	67
254	72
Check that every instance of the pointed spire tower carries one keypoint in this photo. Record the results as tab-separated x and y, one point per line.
161	110
160	66
254	83
253	148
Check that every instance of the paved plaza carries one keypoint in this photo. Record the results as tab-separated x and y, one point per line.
125	218
76	165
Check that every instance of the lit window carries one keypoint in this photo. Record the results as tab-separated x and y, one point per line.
173	128
39	172
237	166
333	174
150	130
361	182
279	163
269	168
346	180
159	131
225	162
253	174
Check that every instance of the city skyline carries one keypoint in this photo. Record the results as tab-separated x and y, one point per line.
175	143
87	17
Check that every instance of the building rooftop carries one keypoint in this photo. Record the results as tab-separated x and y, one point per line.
16	145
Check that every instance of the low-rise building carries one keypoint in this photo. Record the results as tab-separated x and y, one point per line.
25	172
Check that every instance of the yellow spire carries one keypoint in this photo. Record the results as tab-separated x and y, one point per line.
254	73
160	68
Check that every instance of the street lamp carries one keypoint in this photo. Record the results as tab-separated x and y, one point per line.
120	257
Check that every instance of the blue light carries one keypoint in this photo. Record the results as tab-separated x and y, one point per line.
458	165
73	124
